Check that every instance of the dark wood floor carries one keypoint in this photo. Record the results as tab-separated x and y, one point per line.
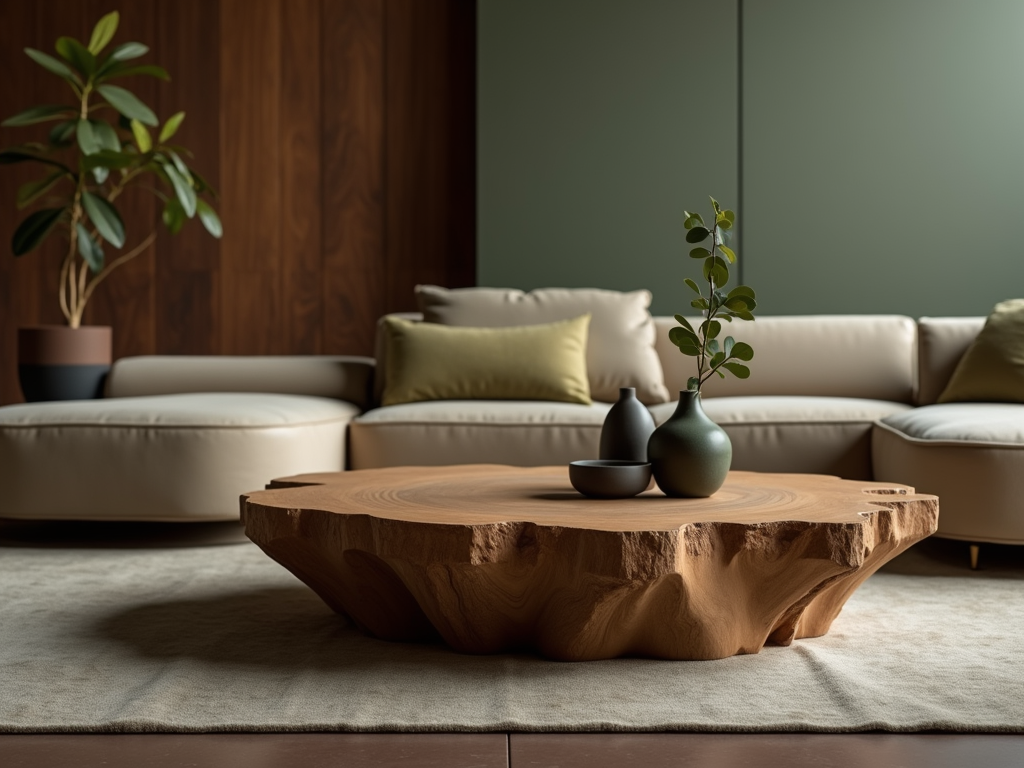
498	750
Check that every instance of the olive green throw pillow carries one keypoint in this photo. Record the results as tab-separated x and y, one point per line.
992	368
428	361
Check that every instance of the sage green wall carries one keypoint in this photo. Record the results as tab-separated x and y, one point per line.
882	168
599	121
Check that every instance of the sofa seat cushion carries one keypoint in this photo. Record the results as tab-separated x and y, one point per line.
433	433
775	433
971	455
166	457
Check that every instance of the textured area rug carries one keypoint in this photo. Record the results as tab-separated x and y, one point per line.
224	639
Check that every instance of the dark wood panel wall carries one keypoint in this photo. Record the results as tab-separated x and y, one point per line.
340	135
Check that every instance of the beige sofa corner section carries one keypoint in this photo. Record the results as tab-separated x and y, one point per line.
971	455
179	457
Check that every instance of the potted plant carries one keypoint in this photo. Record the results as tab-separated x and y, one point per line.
690	454
98	146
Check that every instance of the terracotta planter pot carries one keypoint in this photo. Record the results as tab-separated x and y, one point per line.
60	363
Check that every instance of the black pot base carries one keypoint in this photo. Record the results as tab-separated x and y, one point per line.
41	383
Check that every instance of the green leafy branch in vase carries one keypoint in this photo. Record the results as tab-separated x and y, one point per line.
714	357
90	161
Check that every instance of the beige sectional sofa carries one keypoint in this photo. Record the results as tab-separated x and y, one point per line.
179	438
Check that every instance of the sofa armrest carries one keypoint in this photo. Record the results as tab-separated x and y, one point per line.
340	377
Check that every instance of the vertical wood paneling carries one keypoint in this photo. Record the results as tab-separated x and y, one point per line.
460	135
250	172
301	181
17	306
353	163
428	58
340	135
188	308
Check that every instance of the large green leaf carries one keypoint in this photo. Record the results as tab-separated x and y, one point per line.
34	229
142	138
56	66
31	191
729	253
717	270
38	114
683	333
692	220
105	158
179	164
741	304
89	248
685	323
112	69
209	218
77	55
711	347
127	103
742	290
171	126
17	155
61	134
126	51
105	135
202	185
173	215
697	235
693	286
687	343
711	328
742	351
738	370
699	253
186	195
105	217
103	32
87	140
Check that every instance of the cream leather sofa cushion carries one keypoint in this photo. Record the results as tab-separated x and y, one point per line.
339	376
620	348
971	455
170	458
941	342
522	433
864	356
819	435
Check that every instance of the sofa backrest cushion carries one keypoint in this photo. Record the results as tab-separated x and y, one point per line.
620	348
337	376
942	342
863	356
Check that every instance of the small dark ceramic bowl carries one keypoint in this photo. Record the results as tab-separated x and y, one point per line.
609	478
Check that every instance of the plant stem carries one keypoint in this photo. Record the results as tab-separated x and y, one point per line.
140	248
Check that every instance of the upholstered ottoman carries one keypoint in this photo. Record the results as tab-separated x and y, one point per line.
169	457
971	455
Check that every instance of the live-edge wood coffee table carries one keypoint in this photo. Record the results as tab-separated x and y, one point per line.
496	558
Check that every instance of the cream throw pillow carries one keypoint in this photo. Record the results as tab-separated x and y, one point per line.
620	347
992	368
427	361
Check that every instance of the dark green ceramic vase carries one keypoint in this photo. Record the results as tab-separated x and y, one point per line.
689	454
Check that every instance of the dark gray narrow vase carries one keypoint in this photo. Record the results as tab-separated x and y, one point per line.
627	428
689	454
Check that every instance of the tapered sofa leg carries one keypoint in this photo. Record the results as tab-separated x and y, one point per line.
975	550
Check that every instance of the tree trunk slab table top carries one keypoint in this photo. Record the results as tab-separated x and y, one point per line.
494	558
